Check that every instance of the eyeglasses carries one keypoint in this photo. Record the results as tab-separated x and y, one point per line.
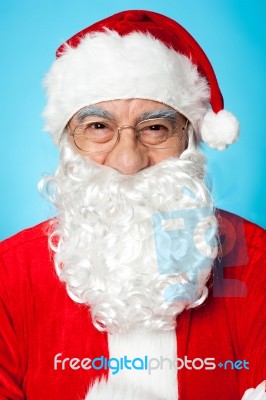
98	136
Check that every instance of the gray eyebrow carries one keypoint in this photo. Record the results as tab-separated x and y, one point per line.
92	111
99	112
163	113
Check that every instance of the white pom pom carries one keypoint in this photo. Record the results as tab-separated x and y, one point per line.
219	130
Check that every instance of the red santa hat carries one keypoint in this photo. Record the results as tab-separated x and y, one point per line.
138	54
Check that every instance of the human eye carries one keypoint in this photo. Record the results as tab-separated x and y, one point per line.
96	131
153	132
155	129
97	126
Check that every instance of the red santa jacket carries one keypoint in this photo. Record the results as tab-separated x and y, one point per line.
39	321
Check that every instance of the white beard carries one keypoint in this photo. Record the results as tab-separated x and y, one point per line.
106	252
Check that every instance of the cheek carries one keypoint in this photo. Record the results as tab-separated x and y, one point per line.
158	156
98	158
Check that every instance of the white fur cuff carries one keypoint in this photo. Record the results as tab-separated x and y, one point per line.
259	393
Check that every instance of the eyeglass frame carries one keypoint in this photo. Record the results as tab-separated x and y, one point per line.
120	128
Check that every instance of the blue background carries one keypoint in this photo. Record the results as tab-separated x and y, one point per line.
232	33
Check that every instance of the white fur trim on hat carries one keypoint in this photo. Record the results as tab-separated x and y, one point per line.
106	66
219	130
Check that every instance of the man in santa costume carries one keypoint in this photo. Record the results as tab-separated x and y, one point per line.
139	288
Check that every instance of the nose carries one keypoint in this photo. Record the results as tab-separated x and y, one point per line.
129	156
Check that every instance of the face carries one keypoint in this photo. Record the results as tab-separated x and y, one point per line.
130	155
108	226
